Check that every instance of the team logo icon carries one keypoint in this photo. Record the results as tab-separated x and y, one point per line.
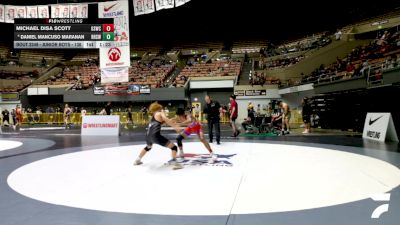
114	54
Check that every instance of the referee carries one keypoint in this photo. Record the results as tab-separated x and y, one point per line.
212	110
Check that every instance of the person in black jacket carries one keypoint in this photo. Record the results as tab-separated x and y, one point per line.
306	113
212	109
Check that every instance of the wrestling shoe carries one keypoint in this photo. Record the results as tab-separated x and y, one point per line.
137	162
175	164
181	155
213	158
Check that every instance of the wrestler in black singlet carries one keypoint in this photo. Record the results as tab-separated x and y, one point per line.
154	134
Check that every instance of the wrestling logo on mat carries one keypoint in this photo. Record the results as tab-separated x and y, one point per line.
204	160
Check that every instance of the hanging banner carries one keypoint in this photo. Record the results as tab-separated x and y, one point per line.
1	13
115	75
114	57
43	11
164	4
117	56
32	12
143	7
78	11
21	12
55	11
60	11
180	2
64	11
9	13
119	10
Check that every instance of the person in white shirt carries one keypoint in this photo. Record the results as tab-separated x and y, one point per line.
338	35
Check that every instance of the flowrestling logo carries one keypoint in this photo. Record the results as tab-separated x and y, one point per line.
203	160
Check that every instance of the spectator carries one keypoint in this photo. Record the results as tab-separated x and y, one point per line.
130	116
6	117
44	62
67	114
250	111
286	115
306	113
338	35
247	123
107	108
14	118
18	112
233	114
83	112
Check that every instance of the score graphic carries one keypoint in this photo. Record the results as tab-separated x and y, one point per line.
108	32
37	34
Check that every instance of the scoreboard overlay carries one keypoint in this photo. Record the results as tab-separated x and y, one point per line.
65	33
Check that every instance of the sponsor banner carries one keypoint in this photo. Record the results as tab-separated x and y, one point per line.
114	57
126	90
379	127
145	89
2	13
115	75
10	12
100	126
250	93
43	11
113	9
180	2
143	7
78	11
164	4
32	12
133	89
20	12
60	11
98	90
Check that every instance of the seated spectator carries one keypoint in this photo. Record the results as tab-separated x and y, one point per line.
44	62
338	35
247	123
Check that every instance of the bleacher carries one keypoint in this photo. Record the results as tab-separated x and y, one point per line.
84	75
38	54
200	46
84	55
239	47
4	50
15	78
360	62
154	76
14	85
216	68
